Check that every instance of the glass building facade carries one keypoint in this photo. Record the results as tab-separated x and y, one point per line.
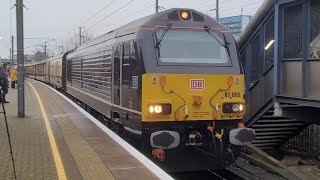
236	24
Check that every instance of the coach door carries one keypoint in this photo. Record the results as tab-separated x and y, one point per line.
117	61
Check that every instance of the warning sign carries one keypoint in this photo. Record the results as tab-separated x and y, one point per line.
135	82
154	80
237	81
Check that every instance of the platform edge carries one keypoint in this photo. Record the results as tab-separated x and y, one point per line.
156	170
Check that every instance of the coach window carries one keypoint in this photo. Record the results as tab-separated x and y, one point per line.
117	65
126	64
135	65
133	57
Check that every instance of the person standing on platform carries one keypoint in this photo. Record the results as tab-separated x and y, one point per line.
13	77
3	83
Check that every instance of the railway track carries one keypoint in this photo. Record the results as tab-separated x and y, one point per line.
210	175
226	174
232	173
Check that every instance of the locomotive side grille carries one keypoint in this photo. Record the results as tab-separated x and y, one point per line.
174	16
197	17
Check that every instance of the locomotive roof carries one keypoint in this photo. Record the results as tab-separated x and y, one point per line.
150	20
160	18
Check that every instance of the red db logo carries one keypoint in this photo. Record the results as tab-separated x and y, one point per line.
197	84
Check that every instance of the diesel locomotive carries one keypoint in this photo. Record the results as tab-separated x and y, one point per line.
172	80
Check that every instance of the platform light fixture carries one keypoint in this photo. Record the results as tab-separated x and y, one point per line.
269	44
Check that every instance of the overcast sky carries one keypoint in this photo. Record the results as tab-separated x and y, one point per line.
60	19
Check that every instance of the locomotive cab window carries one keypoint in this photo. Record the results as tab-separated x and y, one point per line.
191	47
129	68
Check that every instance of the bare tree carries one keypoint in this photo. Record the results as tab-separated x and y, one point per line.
74	41
38	54
60	49
87	37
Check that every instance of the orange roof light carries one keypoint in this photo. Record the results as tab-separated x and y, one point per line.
184	15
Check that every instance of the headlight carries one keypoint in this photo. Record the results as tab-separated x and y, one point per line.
161	108
232	107
151	109
155	109
235	108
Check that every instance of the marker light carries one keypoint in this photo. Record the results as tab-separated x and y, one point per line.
161	108
151	109
232	108
184	15
241	107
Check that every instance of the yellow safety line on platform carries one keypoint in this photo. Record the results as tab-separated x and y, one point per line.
53	144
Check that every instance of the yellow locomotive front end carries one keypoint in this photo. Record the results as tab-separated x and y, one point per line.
193	97
184	114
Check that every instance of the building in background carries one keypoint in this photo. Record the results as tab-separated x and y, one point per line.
28	58
236	24
4	61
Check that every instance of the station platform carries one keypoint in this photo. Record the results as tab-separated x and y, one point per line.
58	140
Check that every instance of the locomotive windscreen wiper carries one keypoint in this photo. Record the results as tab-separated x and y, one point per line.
208	29
158	43
225	44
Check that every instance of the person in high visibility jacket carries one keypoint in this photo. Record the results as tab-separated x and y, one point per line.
13	77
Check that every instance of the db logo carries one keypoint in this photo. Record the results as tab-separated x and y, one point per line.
197	84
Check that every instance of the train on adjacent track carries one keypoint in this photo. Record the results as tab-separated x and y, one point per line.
172	80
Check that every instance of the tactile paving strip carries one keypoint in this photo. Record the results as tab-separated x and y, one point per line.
88	162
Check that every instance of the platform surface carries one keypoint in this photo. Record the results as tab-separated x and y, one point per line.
57	141
308	172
